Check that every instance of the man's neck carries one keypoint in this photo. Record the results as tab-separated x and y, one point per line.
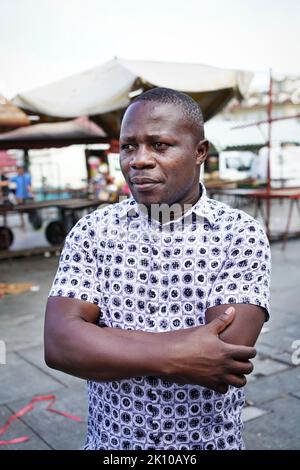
165	213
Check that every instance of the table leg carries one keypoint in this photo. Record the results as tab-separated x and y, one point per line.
288	224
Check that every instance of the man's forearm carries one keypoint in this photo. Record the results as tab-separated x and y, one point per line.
102	354
246	326
76	345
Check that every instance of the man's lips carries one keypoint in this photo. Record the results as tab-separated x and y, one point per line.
143	183
142	180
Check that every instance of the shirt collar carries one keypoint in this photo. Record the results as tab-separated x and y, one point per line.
202	208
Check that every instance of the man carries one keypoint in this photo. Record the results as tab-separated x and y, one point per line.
23	185
23	188
135	287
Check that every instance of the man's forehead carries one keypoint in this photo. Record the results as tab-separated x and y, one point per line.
152	108
161	117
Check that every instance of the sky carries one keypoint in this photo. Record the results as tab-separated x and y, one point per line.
44	40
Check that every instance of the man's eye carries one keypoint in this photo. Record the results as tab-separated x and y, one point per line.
127	147
160	146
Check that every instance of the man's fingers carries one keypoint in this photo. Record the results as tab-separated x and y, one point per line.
236	380
222	321
222	388
242	353
242	367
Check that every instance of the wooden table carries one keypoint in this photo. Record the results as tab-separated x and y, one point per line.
263	195
55	230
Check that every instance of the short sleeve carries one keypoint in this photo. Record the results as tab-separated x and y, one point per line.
245	274
77	274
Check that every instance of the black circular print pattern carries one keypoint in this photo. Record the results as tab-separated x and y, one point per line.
144	276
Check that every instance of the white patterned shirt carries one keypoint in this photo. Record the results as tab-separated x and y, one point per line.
145	277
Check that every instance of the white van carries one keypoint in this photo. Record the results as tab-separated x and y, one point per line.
285	165
235	164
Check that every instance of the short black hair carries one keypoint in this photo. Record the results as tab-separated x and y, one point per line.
189	107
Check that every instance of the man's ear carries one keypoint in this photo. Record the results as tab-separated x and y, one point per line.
202	151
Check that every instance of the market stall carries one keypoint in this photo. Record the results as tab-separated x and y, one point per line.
106	90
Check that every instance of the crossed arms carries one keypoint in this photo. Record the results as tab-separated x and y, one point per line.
215	355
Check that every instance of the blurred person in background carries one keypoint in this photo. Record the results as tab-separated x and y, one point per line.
23	192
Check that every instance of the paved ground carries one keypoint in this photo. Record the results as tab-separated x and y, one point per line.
272	416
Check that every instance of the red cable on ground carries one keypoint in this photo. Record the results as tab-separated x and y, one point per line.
26	409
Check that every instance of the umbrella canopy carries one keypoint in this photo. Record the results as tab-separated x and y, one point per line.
10	116
228	135
105	91
59	134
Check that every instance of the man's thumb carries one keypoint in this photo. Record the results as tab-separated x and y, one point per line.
223	320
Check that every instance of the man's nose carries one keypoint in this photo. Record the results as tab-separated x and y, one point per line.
142	158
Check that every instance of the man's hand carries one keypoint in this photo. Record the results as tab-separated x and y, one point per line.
76	345
202	358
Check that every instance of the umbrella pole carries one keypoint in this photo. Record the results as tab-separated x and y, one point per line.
268	188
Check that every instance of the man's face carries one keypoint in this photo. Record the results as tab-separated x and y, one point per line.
160	156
